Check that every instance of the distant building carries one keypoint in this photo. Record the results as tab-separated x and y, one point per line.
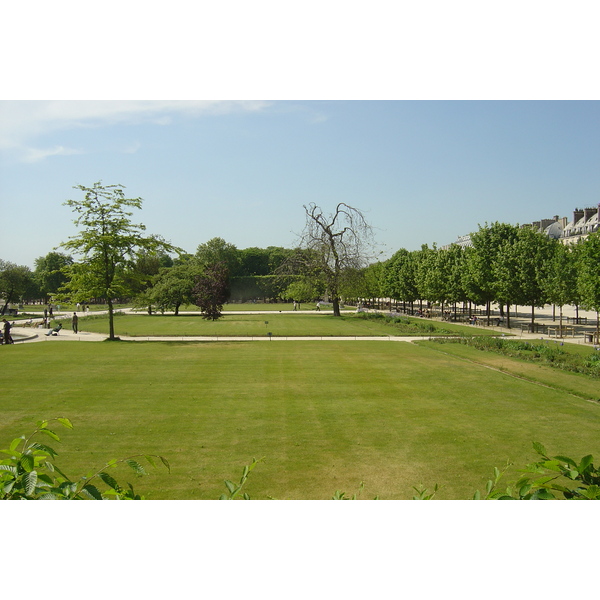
585	221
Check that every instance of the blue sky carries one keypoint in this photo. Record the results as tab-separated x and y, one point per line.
422	171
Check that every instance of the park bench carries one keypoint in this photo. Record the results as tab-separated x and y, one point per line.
534	328
567	330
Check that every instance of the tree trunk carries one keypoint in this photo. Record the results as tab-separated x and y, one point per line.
560	330
111	322
532	317
176	310
336	307
508	316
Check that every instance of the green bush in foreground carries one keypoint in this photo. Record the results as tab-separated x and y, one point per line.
29	474
551	478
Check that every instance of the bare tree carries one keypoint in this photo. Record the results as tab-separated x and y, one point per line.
336	244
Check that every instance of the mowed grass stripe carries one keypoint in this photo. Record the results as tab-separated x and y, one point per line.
325	416
279	325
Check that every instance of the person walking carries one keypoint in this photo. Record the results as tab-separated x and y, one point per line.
75	321
6	332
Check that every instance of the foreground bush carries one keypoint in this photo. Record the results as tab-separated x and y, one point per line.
31	474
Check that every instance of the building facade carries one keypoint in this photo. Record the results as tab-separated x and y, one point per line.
584	222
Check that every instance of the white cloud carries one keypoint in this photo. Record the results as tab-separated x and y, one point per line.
21	122
36	154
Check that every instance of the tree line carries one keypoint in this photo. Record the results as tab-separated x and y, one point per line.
114	259
506	265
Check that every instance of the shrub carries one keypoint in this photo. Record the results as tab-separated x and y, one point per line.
31	474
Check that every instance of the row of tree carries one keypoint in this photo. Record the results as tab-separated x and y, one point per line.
506	265
114	259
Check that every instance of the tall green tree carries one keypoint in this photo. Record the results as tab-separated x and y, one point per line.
533	253
173	286
480	279
399	278
108	245
589	275
560	281
217	250
49	272
16	283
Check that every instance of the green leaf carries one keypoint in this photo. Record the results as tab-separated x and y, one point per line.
230	486
150	460
91	492
26	462
50	433
586	461
477	495
30	481
524	489
108	480
489	485
45	479
15	443
14	454
48	496
65	422
7	487
136	466
44	448
223	497
552	465
592	492
567	460
539	449
10	468
543	494
165	462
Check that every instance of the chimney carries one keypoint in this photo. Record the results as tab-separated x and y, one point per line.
589	212
556	216
577	214
547	222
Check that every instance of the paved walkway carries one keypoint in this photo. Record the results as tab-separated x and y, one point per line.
543	316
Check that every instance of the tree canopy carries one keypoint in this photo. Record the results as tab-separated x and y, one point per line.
108	245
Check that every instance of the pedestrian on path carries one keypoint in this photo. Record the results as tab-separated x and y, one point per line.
75	321
7	337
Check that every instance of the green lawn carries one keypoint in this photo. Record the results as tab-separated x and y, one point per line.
280	325
325	415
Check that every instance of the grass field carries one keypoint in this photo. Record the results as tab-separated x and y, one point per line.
280	325
325	415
